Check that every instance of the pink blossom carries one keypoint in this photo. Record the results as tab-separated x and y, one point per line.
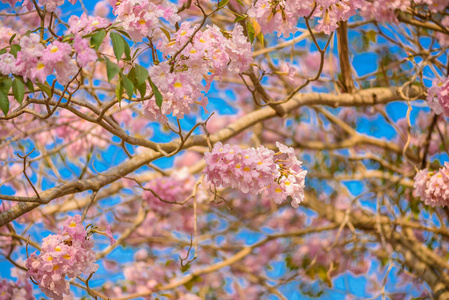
138	17
27	3
55	53
86	24
257	171
79	135
180	81
282	16
174	188
384	10
20	290
85	54
433	187
68	253
102	8
438	96
31	46
57	57
7	64
50	5
109	235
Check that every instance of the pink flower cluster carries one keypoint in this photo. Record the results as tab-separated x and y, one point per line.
282	16
86	24
80	26
68	253
20	290
433	187
438	96
50	5
386	10
80	136
139	17
210	53
35	61
257	171
174	188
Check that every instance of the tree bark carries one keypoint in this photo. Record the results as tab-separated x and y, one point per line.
343	55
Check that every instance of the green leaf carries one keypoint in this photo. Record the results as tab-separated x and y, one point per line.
18	89
251	31
119	91
45	88
14	49
141	74
142	89
128	85
127	51
185	268
118	45
157	93
97	39
112	70
222	3
261	39
30	86
241	3
4	103
165	31
240	18
132	77
5	85
11	39
124	33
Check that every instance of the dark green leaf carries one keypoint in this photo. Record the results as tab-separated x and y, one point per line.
142	89
97	39
222	3
157	93
112	70
127	51
251	32
3	51
132	76
118	45
5	84
11	39
240	18
4	102
14	49
141	74
129	86
18	89
124	33
30	86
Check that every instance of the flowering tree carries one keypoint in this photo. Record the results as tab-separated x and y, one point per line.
233	149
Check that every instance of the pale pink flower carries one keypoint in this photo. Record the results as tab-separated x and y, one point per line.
433	187
438	96
257	171
7	64
68	253
85	54
102	8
